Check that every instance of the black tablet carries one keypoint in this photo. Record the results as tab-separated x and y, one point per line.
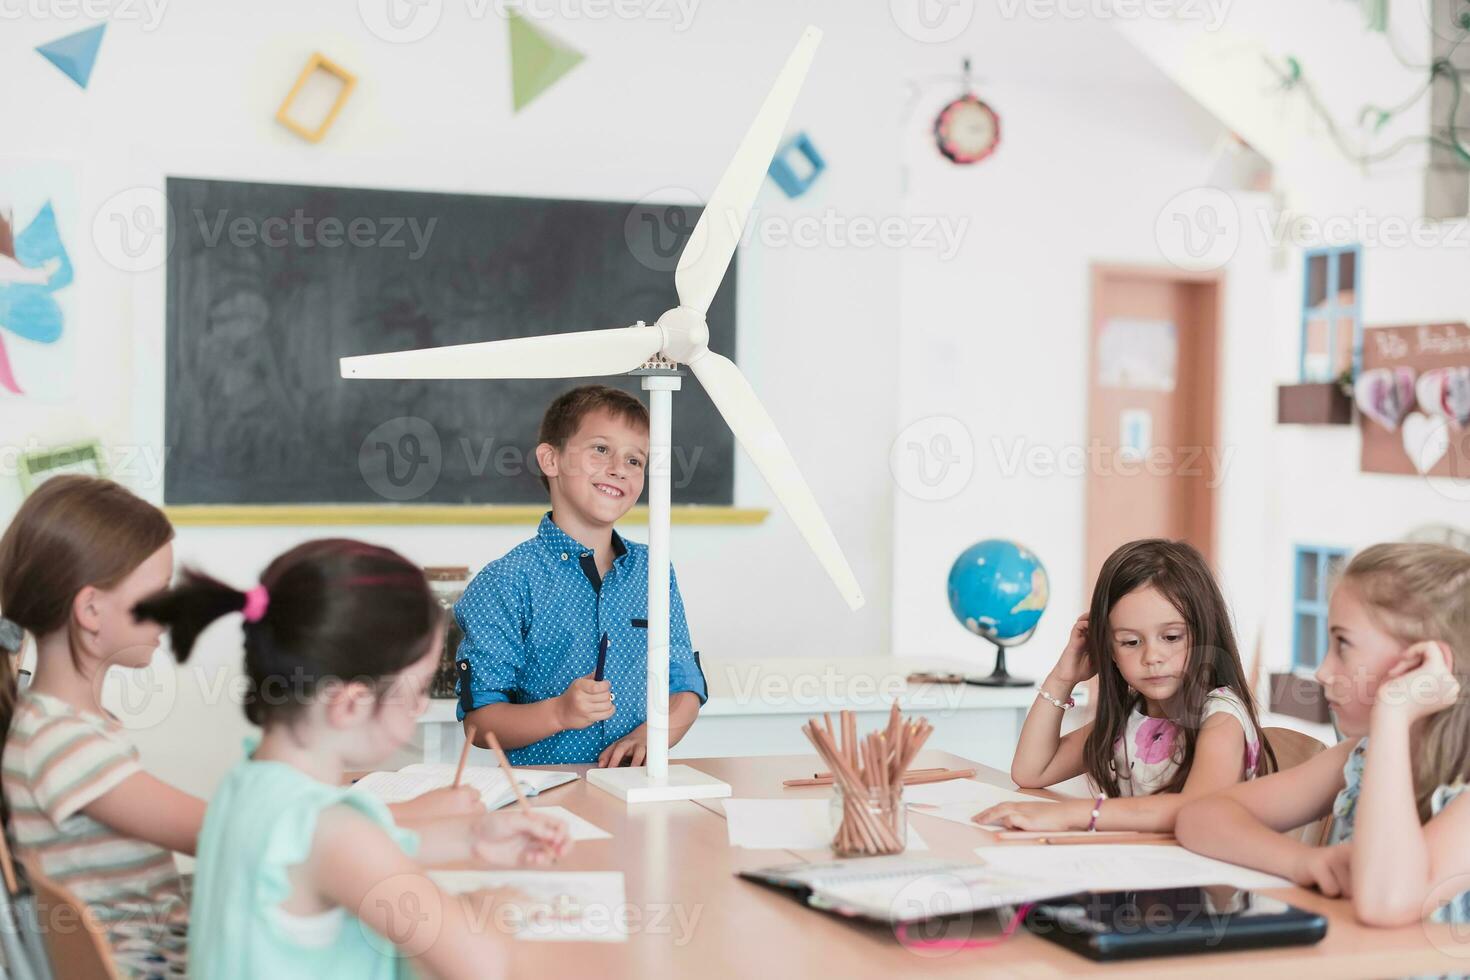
1171	922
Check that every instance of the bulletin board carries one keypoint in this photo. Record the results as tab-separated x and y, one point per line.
1442	444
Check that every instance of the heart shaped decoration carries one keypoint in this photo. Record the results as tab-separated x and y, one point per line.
1426	440
1445	392
1385	395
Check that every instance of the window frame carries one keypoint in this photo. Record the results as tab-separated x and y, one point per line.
1315	606
1329	310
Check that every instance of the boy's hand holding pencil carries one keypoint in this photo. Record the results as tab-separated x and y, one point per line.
584	703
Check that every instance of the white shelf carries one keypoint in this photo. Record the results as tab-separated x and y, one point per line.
808	686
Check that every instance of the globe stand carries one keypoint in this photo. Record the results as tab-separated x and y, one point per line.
1000	677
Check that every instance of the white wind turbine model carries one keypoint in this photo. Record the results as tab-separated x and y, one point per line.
680	336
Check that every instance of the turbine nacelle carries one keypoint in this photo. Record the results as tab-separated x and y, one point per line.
685	334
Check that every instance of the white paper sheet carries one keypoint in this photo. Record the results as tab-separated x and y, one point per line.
1111	867
581	828
964	791
955	813
564	906
794	825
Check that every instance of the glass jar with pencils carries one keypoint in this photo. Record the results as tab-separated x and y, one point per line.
870	820
867	776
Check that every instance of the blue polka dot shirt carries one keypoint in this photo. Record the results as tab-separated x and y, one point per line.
533	620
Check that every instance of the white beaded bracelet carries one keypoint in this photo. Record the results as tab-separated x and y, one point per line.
1071	702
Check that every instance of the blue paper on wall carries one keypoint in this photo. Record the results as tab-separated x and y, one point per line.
39	267
75	54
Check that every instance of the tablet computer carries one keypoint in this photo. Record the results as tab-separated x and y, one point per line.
1171	921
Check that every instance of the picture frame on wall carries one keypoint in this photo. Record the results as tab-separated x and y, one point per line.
36	468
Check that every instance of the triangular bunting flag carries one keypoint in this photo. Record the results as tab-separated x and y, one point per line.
76	53
537	60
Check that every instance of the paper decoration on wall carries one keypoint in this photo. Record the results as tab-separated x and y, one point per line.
1430	441
1426	440
1138	354
537	60
75	54
84	458
1385	395
1445	393
320	92
1135	433
967	130
797	166
33	265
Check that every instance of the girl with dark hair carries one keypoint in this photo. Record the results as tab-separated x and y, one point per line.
77	802
299	875
1175	718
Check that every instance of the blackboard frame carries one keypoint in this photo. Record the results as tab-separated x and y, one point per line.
637	264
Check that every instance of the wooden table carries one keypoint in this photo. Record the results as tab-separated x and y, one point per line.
690	916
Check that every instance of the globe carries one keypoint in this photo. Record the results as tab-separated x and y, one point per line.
998	590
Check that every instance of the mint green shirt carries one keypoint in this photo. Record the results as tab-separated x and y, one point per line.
260	823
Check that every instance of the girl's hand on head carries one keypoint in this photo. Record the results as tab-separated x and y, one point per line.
1327	869
1040	815
1421	684
1075	665
511	837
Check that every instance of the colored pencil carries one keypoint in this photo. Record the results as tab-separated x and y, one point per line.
510	773
914	777
464	753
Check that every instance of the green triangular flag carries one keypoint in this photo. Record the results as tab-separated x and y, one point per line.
537	60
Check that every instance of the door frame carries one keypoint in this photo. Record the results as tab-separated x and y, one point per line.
1212	314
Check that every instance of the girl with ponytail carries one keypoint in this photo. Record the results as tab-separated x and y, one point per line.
299	875
74	561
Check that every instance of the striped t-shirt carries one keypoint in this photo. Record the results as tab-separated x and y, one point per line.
58	760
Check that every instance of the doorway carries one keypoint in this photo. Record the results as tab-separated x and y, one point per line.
1154	457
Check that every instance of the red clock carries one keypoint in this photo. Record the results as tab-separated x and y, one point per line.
967	130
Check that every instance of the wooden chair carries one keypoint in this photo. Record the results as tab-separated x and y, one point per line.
1292	748
75	943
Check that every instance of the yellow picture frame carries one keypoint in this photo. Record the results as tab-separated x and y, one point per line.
316	515
317	62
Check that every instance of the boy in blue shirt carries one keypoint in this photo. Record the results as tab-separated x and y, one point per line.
533	620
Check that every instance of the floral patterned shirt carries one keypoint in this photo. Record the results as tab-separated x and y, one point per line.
1149	753
1345	809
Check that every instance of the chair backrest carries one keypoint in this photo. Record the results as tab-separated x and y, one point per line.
75	941
1292	748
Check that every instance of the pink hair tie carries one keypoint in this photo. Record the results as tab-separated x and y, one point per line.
257	600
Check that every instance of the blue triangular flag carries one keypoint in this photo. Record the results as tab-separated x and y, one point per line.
76	53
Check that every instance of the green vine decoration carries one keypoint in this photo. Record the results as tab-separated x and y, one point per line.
1373	119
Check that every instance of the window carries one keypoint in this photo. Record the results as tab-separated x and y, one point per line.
1316	569
1331	313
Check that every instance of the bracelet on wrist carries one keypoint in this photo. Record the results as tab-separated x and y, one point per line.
1071	702
1096	812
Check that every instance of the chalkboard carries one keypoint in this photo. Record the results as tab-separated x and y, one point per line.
269	284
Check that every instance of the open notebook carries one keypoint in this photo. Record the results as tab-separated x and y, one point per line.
411	781
901	888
